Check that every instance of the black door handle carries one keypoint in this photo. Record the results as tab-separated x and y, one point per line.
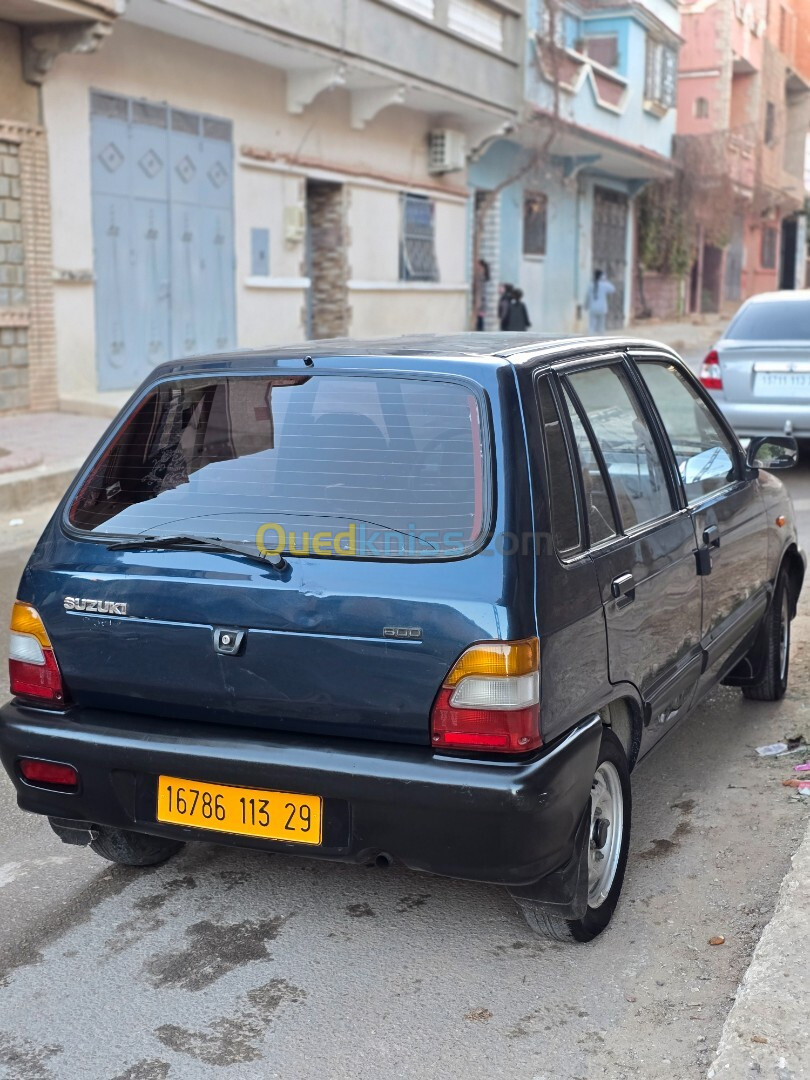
622	585
711	536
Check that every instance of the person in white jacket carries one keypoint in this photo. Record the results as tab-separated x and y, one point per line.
596	302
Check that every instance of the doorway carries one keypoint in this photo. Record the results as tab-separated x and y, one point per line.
610	211
328	297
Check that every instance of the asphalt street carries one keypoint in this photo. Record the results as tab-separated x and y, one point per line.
233	964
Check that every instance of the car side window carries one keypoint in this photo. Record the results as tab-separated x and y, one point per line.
634	465
703	451
565	520
599	512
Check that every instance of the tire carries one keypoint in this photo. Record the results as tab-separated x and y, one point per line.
774	680
132	848
611	781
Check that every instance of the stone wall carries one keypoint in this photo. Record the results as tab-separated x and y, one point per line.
14	361
28	376
329	297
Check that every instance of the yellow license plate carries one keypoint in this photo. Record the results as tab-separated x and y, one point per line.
273	815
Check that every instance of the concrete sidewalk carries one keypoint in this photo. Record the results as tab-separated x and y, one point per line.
40	454
767	1032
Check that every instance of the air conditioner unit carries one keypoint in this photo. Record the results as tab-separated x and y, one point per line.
295	224
447	151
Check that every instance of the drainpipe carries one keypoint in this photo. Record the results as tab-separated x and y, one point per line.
699	289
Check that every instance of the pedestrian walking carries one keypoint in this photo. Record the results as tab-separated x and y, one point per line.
481	293
596	302
517	317
503	305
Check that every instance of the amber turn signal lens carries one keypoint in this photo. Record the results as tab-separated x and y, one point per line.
496	659
26	620
781	520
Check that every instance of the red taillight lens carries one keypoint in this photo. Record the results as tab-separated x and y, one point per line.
32	666
48	772
490	700
710	374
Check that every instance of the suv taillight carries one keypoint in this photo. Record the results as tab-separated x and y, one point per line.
490	700
33	670
710	374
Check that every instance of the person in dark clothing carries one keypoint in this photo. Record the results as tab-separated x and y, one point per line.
517	317
503	305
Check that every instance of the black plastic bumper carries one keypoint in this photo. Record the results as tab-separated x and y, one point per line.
502	822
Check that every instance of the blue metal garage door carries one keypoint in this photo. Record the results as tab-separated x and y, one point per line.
163	236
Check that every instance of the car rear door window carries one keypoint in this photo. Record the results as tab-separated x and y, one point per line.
599	511
562	486
637	473
703	451
396	464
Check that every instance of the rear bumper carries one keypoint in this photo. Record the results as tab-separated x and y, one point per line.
765	417
506	823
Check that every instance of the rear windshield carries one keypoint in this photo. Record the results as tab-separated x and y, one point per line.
317	464
778	320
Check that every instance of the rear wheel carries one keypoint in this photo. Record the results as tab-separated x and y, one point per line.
608	844
132	848
773	682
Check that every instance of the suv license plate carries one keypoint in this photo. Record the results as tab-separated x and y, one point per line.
272	815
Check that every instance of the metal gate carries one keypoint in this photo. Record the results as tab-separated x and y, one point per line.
610	210
163	236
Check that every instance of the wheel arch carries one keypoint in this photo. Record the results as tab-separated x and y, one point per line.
624	716
793	563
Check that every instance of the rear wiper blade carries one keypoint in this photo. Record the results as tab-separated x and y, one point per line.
182	542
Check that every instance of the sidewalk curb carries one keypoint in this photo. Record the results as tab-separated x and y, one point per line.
29	487
773	1000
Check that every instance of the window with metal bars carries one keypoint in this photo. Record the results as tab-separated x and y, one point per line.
417	245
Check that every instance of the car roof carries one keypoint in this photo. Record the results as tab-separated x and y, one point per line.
783	295
492	348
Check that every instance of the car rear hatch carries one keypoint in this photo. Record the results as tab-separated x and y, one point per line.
379	490
765	355
765	371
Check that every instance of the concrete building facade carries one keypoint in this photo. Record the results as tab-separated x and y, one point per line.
238	173
599	118
744	110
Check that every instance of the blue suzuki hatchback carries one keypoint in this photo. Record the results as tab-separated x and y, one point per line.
423	602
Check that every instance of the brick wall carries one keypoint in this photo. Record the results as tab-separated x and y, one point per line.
28	376
665	295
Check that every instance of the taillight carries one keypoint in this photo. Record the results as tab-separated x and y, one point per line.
490	700
710	374
33	670
48	772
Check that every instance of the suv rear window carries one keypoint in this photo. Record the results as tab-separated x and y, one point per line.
372	466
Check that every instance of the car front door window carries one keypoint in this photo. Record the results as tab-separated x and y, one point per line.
703	451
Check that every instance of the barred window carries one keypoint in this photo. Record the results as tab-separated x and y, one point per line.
535	216
661	74
767	254
417	245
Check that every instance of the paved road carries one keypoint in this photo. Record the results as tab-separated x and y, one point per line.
234	965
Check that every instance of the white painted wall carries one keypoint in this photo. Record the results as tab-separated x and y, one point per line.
140	62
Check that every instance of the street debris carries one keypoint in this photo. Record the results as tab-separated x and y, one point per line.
802	768
15	522
795	781
478	1014
758	1039
718	939
779	749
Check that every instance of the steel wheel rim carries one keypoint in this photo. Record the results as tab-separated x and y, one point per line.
784	636
605	841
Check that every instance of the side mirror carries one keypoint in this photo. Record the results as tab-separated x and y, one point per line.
772	452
